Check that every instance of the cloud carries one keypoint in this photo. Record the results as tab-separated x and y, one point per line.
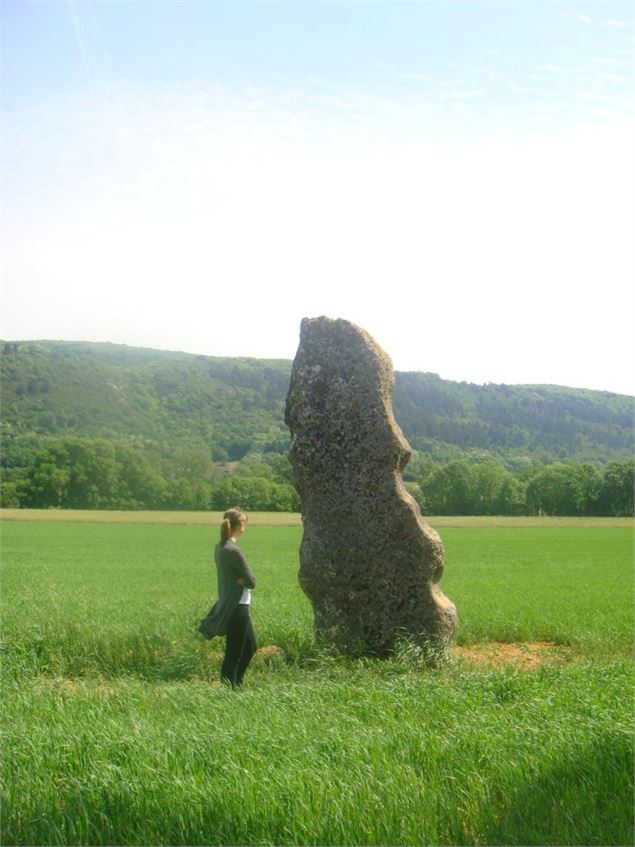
615	23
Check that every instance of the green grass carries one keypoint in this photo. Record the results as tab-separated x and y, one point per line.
116	733
568	585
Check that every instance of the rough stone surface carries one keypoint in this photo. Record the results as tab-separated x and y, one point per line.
368	562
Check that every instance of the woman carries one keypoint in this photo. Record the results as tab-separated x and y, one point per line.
230	615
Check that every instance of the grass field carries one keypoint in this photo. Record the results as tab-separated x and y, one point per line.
286	518
115	730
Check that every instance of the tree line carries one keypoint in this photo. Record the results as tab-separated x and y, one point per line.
93	473
87	473
488	488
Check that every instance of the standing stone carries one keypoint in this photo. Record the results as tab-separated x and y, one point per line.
368	562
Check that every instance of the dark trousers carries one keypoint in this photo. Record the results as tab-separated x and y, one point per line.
240	647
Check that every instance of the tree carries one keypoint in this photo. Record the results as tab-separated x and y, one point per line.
75	473
281	466
9	495
46	484
139	485
590	481
486	486
254	494
253	466
191	496
479	488
561	489
512	497
615	496
93	475
192	463
449	489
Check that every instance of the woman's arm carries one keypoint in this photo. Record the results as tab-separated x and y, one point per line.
246	575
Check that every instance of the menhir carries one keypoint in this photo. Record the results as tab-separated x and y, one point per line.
368	562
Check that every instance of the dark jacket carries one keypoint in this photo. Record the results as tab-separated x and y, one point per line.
231	565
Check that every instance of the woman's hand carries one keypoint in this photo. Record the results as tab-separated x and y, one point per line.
240	581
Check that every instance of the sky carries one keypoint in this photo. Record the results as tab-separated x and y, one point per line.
455	177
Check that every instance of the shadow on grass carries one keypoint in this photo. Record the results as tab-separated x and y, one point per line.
587	799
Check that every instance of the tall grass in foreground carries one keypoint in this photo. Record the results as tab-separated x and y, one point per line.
338	755
116	733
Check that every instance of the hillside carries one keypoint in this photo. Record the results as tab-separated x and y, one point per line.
159	402
151	399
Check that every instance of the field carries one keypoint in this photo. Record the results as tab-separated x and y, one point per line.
115	730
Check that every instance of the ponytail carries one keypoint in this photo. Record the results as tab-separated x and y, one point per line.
231	519
225	531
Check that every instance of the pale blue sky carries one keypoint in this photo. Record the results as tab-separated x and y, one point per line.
456	177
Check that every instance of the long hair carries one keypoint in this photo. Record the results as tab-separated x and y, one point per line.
231	519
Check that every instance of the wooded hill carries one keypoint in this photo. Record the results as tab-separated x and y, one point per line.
160	402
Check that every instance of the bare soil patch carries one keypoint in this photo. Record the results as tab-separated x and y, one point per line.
270	650
521	655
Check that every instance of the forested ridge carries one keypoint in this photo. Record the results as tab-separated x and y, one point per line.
193	425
